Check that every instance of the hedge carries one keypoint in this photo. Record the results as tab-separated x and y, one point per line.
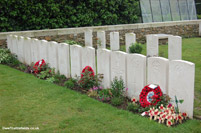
18	15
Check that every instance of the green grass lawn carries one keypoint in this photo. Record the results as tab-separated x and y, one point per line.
191	51
26	101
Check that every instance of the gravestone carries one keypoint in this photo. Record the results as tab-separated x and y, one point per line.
21	49
15	44
9	42
53	55
64	59
103	66
174	48
27	50
88	36
118	65
158	68
43	46
76	62
114	41
35	50
130	38
136	74
101	43
181	84
88	58
152	45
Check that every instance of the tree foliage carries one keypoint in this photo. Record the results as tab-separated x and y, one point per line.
16	15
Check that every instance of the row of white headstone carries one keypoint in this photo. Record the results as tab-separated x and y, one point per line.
175	77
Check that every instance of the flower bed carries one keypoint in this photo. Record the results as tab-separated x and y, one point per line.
152	102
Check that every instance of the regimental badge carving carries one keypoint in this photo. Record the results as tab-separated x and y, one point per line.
156	66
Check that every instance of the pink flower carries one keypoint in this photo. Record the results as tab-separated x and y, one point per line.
169	105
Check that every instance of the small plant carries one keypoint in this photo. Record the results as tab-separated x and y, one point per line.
59	78
105	95
22	67
70	83
117	87
178	101
135	48
116	101
133	107
46	73
71	42
7	58
50	79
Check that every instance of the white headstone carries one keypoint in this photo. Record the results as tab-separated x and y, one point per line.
27	50
76	62
43	46
64	59
114	41
88	36
101	42
158	72
88	58
15	44
130	38
9	42
53	55
181	84
174	48
152	45
136	74
103	66
21	49
35	50
118	65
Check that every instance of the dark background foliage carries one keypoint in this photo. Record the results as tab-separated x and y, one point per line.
17	15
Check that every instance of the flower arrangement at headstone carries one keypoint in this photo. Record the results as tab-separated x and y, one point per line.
159	107
88	79
39	66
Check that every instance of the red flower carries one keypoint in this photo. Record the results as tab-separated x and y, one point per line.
184	114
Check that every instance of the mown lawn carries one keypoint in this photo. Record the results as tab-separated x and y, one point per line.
191	51
26	101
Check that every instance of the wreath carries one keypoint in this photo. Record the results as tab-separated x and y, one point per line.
150	95
38	66
89	69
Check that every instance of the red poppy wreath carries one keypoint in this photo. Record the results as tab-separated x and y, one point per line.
38	65
89	69
150	95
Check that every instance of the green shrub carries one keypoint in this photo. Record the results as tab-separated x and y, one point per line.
117	87
133	107
116	101
7	58
45	74
70	83
22	67
59	78
135	48
18	15
71	42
